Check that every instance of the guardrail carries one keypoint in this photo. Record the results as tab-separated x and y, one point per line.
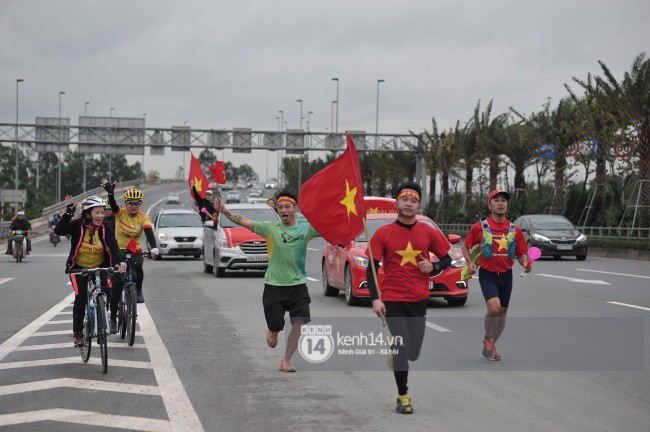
612	232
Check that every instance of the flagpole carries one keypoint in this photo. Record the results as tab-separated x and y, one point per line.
372	265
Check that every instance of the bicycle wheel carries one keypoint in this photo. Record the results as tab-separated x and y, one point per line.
102	334
85	349
131	314
121	317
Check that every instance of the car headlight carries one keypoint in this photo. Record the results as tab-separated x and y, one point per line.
541	238
582	238
162	236
361	261
222	242
458	263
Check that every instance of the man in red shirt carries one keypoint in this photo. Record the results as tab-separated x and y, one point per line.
403	248
499	242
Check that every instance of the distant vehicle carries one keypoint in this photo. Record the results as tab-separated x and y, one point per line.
253	197
555	236
250	184
231	247
173	199
233	197
270	185
228	186
258	189
240	185
178	232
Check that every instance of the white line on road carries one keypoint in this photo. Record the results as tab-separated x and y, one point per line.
181	413
69	312
313	250
77	360
58	322
3	280
629	305
48	255
82	384
437	327
51	333
10	344
617	274
86	418
70	345
570	279
312	279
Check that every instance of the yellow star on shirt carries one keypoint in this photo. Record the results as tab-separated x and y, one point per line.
502	242
348	201
197	184
409	254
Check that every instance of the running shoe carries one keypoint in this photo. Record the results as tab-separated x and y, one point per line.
272	338
286	367
404	405
488	347
78	339
113	325
495	356
140	296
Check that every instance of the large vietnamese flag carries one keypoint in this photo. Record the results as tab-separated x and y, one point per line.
200	179
332	199
218	171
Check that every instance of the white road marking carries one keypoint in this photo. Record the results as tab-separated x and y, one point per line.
69	345
58	322
48	255
313	250
570	279
437	327
181	413
312	279
51	333
617	274
13	342
66	312
86	418
82	384
629	305
75	360
3	280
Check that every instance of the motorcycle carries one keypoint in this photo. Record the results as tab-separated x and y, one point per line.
19	249
54	238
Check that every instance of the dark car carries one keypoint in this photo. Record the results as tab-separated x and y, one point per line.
555	236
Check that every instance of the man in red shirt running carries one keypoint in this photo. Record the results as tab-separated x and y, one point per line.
403	248
499	242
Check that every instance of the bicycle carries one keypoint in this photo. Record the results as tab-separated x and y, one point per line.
127	309
96	321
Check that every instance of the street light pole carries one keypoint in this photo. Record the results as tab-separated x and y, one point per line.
111	112
377	113
58	162
144	176
309	113
278	119
300	101
18	81
83	157
281	119
332	116
337	103
86	110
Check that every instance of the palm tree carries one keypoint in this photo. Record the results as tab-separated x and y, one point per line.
491	138
631	96
466	139
426	147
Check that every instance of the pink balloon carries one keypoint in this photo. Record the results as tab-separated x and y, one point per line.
534	253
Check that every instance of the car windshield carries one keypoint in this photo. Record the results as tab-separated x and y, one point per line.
179	220
551	223
253	195
375	224
258	214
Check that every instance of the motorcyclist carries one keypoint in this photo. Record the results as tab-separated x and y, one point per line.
55	220
20	223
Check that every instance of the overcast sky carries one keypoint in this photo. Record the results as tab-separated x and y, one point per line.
224	64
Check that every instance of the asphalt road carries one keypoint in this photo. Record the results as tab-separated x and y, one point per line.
574	353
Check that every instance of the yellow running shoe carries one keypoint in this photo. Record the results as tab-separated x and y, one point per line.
404	405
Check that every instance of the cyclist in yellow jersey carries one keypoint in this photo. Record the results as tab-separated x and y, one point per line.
130	223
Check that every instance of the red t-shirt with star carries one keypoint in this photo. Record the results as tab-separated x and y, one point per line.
496	264
400	249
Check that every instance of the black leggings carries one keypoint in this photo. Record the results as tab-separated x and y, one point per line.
80	285
406	322
119	280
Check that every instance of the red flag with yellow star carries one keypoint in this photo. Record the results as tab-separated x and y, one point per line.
200	179
218	171
332	199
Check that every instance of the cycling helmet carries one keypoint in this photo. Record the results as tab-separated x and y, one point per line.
91	202
107	205
133	195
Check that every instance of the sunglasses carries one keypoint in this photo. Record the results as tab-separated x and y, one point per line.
134	203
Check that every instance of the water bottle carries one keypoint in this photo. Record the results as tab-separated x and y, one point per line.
91	307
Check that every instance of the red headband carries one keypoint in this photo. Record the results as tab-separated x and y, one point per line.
288	199
409	193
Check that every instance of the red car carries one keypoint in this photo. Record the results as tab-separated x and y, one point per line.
344	268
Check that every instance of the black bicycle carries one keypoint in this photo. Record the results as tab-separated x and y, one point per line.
127	309
96	321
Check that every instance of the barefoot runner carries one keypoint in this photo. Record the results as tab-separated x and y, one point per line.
500	242
285	281
404	248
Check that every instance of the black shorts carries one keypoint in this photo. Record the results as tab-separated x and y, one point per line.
280	299
496	285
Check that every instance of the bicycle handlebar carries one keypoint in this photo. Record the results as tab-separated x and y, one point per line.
92	270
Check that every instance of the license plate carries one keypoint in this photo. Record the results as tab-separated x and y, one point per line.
257	258
185	246
564	247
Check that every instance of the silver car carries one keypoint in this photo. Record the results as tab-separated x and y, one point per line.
178	232
231	247
233	197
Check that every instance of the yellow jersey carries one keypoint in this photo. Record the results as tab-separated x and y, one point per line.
128	227
91	251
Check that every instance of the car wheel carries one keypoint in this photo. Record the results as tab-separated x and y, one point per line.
457	301
197	256
350	298
207	268
328	290
581	257
556	257
218	271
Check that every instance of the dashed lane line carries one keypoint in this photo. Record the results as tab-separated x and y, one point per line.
75	360
613	273
312	279
4	280
629	305
438	328
82	384
570	279
87	418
